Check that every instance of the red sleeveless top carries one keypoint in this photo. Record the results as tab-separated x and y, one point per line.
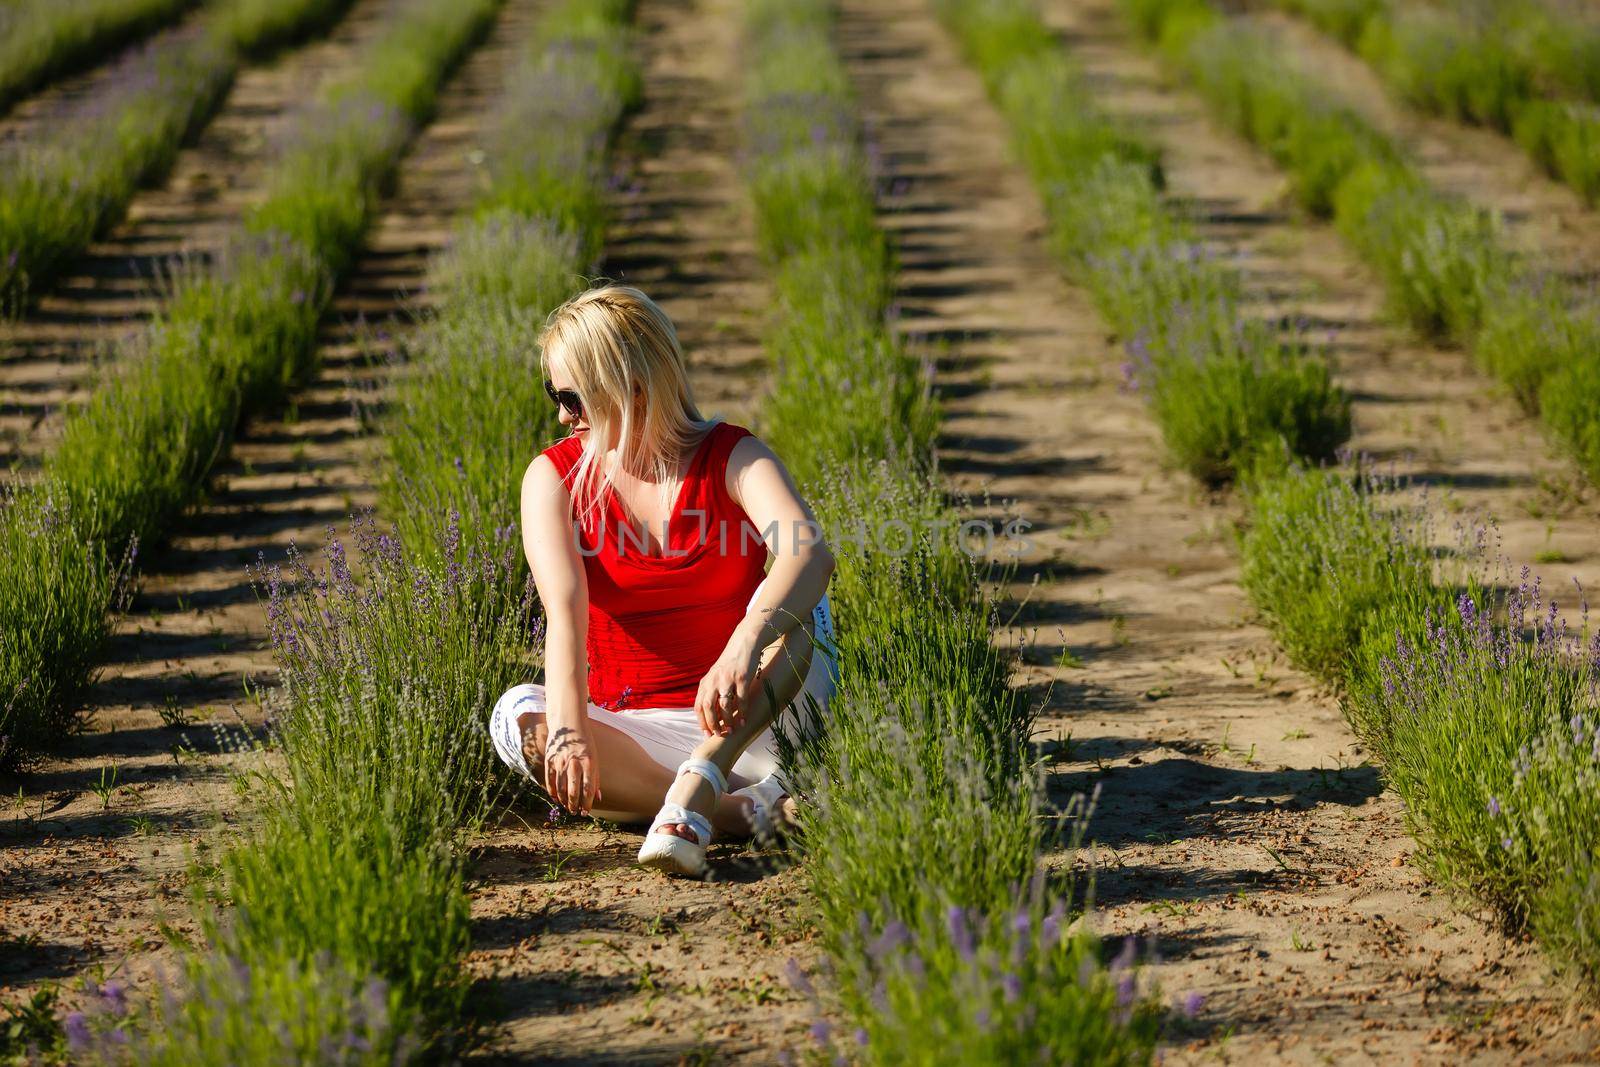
658	622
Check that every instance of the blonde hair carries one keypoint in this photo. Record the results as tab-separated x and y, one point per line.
612	340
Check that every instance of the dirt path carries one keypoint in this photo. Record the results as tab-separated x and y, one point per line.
1546	221
594	960
47	358
84	884
1238	817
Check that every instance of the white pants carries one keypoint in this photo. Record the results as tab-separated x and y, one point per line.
670	735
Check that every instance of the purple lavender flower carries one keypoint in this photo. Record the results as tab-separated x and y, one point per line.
1494	808
76	1026
115	995
1125	956
893	937
960	931
793	973
821	1031
1192	1002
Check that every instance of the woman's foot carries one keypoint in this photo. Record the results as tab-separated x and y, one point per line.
744	821
768	808
677	839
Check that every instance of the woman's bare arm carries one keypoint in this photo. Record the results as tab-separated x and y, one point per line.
571	772
795	583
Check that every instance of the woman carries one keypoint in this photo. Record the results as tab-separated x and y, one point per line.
669	649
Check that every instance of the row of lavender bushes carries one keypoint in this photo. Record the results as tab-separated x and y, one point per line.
1529	68
924	821
1442	261
234	335
346	918
60	190
1229	391
471	410
1478	698
1477	695
41	41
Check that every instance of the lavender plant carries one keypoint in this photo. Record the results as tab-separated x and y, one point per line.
472	413
1488	679
831	348
387	663
1015	985
59	192
925	741
1225	390
234	338
1325	550
230	1011
1548	815
40	41
1524	67
55	631
1441	260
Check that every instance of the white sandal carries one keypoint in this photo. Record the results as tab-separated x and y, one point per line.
677	855
765	796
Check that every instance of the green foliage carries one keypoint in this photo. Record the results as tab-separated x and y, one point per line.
388	662
234	337
1224	389
1325	549
1564	138
1462	696
274	1010
136	455
1570	404
925	740
1440	260
1006	987
464	424
55	629
30	1027
1344	19
42	40
1444	268
1551	825
1435	60
61	190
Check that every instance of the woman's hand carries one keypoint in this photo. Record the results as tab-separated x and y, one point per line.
728	687
571	771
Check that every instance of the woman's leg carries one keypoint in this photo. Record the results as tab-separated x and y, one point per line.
632	782
784	668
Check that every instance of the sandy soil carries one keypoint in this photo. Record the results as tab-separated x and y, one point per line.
48	357
1239	821
85	877
593	960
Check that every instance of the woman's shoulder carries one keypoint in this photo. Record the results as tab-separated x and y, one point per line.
728	434
564	453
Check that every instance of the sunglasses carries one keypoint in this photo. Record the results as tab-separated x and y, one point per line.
566	398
